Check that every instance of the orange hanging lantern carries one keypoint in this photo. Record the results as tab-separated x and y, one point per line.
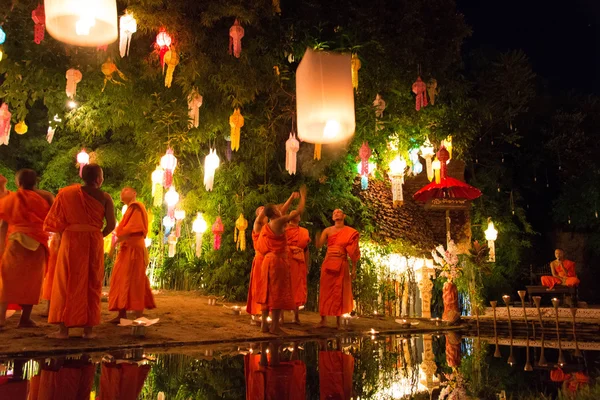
168	162
21	128
217	229
39	19
108	69
73	78
83	159
236	121
236	33
163	41
317	152
172	60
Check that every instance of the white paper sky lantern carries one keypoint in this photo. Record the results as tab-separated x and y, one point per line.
325	97
88	23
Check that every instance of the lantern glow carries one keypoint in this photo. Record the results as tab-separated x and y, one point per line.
427	152
436	166
491	234
2	36
211	163
396	174
199	226
168	162
83	159
127	27
325	97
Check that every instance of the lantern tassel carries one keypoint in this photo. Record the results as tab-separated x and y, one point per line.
157	194
198	244
317	153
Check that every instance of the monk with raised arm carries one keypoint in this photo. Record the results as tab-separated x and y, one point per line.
335	291
23	246
277	295
129	285
298	240
563	272
78	214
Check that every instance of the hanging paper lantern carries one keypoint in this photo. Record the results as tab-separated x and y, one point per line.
211	163
447	143
199	226
364	178
417	167
21	128
324	98
82	22
50	134
172	241
217	229
73	78
317	152
168	162
491	234
239	233
171	198
292	145
172	60
236	33
39	19
379	104
5	116
163	41
168	223
236	121
83	159
419	89
397	168
355	66
277	6
228	152
127	27
364	153
179	217
427	153
158	177
437	166
432	90
194	104
108	69
2	36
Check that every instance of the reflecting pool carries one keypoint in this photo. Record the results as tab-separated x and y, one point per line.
429	366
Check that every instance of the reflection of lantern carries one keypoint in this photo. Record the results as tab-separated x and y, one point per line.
292	145
127	27
5	116
168	162
417	167
199	226
172	60
427	153
236	33
325	98
397	167
239	233
491	234
163	41
194	104
236	122
217	229
73	78
83	159
82	22
179	217
39	19
21	128
158	177
436	166
211	163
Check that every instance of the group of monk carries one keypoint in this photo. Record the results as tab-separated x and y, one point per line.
278	279
68	269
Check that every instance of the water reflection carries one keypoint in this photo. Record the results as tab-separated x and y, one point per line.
428	366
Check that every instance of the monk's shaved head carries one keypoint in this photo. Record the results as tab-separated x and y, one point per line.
128	194
26	179
92	175
259	210
338	215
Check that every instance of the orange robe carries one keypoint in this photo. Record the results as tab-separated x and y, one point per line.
24	258
53	246
298	240
335	375
80	262
276	294
566	270
129	285
255	377
122	381
298	384
252	307
335	294
286	381
73	382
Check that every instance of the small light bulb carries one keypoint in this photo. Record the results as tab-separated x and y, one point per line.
72	104
332	129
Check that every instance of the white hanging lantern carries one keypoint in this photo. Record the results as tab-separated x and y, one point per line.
87	23
211	163
83	159
127	27
292	145
168	162
194	104
397	168
179	217
199	226
427	153
325	97
417	167
171	198
491	234
168	222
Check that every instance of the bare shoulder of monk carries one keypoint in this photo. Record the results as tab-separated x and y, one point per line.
49	197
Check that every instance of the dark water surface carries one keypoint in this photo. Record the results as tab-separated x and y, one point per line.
377	367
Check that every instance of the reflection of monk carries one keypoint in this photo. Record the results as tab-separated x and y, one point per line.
335	375
23	246
563	272
15	388
298	240
129	285
78	214
64	380
122	381
335	294
571	383
453	356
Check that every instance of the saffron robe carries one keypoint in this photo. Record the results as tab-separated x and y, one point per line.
71	382
276	294
14	390
566	270
79	272
24	258
298	240
53	245
256	278
335	375
255	377
122	381
335	292
286	381
129	285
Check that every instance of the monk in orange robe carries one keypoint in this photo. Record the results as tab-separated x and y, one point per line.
276	295
78	214
298	240
53	245
267	378
563	272
129	285
335	374
122	381
23	246
335	292
5	192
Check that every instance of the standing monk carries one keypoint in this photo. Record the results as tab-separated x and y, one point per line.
23	246
335	293
5	192
78	214
276	294
563	272
298	240
129	285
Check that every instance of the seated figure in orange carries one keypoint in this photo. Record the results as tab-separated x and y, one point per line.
563	272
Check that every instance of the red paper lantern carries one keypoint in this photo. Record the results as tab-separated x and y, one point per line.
163	41
168	162
39	18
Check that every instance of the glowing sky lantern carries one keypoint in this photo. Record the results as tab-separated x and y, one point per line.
436	166
88	23
127	27
427	153
171	198
168	162
397	168
199	226
211	163
325	97
83	159
491	234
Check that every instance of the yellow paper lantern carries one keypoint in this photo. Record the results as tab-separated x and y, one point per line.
21	128
236	121
356	65
325	98
437	166
239	233
87	23
172	60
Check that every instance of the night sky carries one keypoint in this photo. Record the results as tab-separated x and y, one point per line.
560	37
